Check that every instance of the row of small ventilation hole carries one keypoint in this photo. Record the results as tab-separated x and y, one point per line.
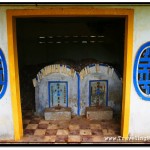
59	42
67	36
74	36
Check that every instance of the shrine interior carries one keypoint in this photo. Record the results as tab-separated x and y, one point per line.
75	41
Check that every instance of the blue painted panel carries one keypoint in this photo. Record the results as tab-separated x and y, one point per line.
91	65
58	93
3	74
98	92
78	91
141	74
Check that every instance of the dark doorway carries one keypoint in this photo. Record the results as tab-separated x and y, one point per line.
76	40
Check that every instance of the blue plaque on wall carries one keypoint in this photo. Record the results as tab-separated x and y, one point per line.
3	74
141	75
98	93
58	93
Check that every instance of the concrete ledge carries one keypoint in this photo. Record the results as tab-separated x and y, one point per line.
99	113
57	113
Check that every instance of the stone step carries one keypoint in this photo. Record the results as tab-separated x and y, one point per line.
57	114
94	113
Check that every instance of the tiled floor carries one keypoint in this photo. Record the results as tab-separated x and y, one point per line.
77	130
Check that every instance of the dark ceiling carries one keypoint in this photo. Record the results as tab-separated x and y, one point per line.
45	40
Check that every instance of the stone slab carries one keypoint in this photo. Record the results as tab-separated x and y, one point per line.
57	114
99	113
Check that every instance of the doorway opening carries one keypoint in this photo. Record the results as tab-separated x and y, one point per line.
126	15
77	42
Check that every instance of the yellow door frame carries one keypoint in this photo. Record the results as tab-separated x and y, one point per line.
68	11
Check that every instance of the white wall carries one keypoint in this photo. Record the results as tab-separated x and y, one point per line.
139	109
114	87
42	95
6	121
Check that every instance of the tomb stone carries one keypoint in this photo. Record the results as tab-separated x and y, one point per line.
55	113
99	113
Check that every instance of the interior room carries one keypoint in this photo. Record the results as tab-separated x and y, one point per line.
78	44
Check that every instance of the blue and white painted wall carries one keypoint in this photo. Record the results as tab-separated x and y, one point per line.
78	86
56	73
101	72
6	118
139	108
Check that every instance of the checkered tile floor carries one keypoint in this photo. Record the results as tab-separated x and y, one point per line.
77	130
